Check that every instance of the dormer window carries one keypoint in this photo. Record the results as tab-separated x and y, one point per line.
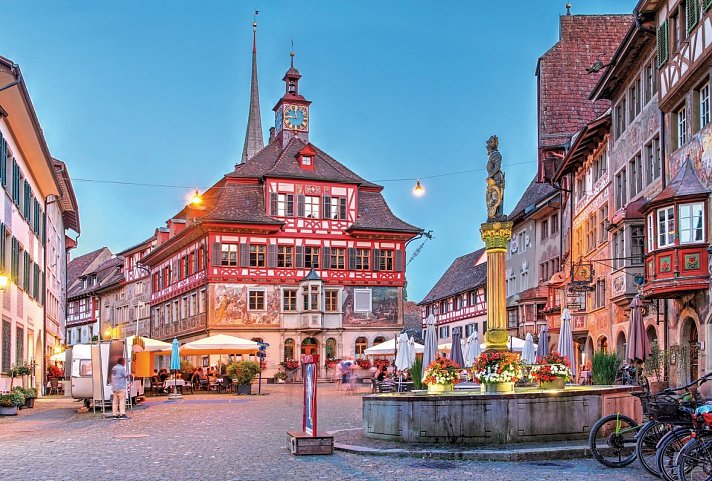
305	157
306	160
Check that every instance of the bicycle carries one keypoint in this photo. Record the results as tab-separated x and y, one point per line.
694	462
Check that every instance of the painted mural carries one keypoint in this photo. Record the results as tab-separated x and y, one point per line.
231	308
384	307
699	151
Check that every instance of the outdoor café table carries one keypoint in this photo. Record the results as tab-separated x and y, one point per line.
170	383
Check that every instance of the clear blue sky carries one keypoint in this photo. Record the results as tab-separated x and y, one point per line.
157	92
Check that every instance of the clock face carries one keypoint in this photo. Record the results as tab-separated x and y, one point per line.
278	119
296	117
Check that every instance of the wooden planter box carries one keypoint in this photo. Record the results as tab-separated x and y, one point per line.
301	444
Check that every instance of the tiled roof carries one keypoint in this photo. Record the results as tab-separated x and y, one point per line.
535	193
79	265
564	83
686	183
108	273
374	214
462	275
232	202
273	161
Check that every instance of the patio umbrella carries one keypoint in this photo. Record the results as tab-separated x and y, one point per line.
528	352
456	352
566	340
412	349
388	347
175	363
403	358
638	348
472	349
542	348
431	342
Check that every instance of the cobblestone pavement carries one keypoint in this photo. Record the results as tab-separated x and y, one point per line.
213	437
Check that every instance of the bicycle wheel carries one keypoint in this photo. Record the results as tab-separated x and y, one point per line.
648	438
612	440
694	463
668	449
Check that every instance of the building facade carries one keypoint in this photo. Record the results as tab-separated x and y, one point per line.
459	298
83	279
291	248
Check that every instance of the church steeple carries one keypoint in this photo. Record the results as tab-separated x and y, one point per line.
292	110
254	141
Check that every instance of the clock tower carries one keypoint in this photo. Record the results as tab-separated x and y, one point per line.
291	114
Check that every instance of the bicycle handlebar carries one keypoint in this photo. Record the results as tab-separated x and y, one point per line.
697	382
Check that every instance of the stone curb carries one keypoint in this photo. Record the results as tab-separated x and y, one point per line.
541	452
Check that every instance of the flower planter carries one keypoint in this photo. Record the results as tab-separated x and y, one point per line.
8	411
244	389
499	387
29	402
440	388
559	383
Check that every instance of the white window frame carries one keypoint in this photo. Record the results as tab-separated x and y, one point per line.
666	236
311	206
690	217
651	232
358	303
705	105
681	126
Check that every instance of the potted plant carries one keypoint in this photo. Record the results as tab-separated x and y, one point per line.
654	368
552	371
605	367
363	363
441	375
54	372
30	394
416	373
280	377
498	370
243	373
9	403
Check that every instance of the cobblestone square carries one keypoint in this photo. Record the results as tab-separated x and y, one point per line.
215	437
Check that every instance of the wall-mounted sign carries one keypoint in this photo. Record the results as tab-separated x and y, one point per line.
582	274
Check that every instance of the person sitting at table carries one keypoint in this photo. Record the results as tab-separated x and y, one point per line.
163	375
381	376
202	378
585	375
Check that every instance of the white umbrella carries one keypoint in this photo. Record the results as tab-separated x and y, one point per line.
515	344
403	358
411	349
431	342
388	348
529	351
566	340
472	349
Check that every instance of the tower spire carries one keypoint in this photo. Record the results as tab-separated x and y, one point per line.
254	142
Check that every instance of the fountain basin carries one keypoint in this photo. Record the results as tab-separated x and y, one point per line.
473	417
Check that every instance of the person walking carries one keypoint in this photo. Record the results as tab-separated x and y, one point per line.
118	386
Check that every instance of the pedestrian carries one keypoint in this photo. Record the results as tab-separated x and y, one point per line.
339	372
118	386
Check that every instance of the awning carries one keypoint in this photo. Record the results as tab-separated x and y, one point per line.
150	345
219	344
388	348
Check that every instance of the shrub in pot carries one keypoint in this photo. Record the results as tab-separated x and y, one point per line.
280	376
9	403
30	394
604	367
243	373
655	367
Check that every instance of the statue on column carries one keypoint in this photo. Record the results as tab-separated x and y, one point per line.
494	196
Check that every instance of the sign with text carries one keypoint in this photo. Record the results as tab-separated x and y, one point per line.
309	418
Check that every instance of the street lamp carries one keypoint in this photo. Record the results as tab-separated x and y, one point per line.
4	281
418	190
196	199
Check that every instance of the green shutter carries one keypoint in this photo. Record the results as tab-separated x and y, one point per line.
706	4
662	38
2	248
3	161
691	14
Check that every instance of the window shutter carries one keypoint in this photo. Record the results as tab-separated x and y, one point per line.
44	288
662	43
3	161
273	203
327	207
217	254
706	4
272	255
376	259
300	205
36	282
2	248
290	205
342	208
325	257
352	258
298	256
13	259
691	14
399	261
244	255
15	181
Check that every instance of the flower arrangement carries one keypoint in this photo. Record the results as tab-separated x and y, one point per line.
497	367
290	364
15	398
442	371
363	363
551	367
331	363
379	363
280	376
54	371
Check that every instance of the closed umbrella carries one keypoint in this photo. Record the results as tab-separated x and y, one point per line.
431	342
403	357
472	349
528	352
412	349
456	352
175	363
542	348
566	340
638	348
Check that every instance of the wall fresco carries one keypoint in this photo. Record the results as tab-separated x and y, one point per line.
229	305
699	151
384	310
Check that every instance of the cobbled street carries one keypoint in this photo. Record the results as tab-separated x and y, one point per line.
214	437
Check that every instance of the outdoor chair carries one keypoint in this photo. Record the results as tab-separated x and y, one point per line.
54	385
225	385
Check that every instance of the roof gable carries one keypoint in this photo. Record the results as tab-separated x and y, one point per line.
465	273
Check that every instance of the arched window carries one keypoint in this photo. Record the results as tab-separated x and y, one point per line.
652	334
378	340
288	349
331	348
620	345
361	344
603	344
